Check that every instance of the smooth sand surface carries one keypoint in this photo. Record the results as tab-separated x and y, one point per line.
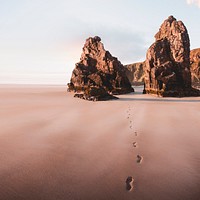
56	147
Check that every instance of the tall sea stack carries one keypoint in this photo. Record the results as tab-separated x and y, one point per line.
98	68
167	68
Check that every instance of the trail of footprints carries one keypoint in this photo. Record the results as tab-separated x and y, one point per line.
139	158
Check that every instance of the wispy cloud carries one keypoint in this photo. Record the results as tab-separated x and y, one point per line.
196	2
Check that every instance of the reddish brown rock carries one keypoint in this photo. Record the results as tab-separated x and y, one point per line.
98	68
95	94
135	73
167	69
195	66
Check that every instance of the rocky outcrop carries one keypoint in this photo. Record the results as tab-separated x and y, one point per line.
135	73
95	94
167	68
195	66
98	68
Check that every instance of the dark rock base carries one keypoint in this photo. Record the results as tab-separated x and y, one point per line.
114	91
95	94
95	98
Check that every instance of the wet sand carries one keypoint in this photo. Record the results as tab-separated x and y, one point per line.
56	147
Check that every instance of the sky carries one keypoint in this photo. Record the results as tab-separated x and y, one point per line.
41	40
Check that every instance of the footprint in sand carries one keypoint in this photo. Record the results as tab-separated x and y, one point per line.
139	159
134	144
136	133
129	183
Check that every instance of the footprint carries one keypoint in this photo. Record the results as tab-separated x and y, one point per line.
134	144
136	133
139	159
129	183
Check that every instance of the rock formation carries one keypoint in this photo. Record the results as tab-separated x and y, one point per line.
195	66
99	69
167	68
95	94
135	73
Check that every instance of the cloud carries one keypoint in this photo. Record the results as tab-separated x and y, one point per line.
195	2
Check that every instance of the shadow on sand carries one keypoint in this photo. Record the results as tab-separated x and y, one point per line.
138	96
158	99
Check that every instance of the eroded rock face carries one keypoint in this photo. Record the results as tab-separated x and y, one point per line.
98	68
135	73
195	66
167	69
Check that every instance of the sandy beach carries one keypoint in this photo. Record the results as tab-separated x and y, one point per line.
56	147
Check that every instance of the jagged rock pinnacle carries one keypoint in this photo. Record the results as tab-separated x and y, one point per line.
167	67
98	68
